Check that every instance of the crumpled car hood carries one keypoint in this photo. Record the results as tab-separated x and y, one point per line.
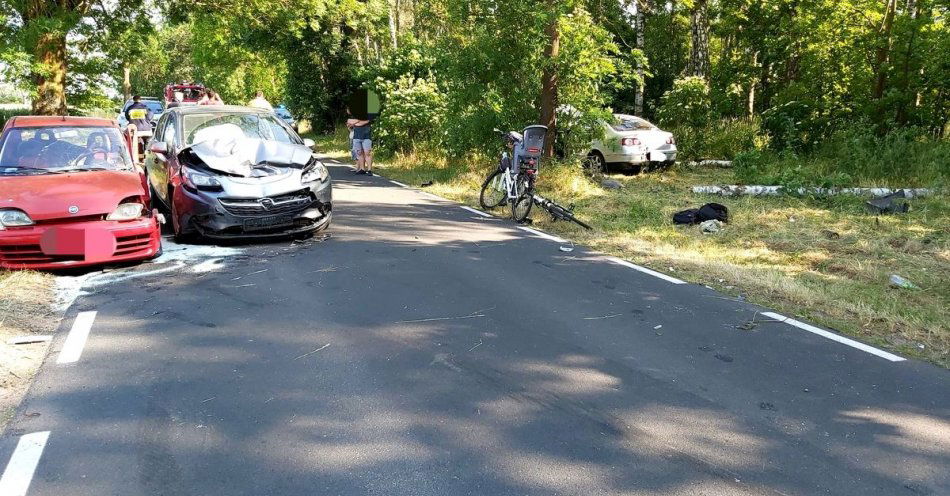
239	156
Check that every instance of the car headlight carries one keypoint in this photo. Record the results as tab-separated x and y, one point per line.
318	172
12	217
127	211
197	180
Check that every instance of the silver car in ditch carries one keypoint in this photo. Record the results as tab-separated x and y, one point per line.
235	172
632	143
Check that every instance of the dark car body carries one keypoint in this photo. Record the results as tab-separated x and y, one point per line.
236	186
67	195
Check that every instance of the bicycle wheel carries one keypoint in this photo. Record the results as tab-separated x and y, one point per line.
521	206
493	191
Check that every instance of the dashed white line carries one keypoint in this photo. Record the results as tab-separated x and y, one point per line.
76	340
645	270
834	337
477	212
543	235
18	475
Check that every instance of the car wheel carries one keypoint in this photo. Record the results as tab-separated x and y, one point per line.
595	162
179	235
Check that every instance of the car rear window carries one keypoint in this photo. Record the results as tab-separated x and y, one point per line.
622	124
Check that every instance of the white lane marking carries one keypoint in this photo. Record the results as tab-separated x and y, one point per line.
76	340
19	472
477	212
645	270
430	195
543	235
834	337
397	183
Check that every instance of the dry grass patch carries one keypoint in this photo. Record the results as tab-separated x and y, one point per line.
25	308
825	259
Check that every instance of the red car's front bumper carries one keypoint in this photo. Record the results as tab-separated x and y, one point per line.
135	240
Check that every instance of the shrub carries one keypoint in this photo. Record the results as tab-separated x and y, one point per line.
688	103
413	113
720	139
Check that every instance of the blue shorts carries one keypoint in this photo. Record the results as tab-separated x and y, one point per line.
362	145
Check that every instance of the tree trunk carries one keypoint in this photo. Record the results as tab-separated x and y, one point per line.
699	51
126	81
393	28
751	106
50	76
549	82
641	80
882	53
912	12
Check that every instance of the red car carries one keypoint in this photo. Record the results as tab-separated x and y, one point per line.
70	195
190	93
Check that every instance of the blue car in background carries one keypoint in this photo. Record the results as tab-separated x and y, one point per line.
284	114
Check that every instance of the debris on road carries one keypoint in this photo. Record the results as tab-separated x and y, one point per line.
30	339
897	281
312	352
566	249
475	314
604	317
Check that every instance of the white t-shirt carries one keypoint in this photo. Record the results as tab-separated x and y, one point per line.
261	103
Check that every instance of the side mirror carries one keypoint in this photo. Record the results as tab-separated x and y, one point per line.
158	147
309	143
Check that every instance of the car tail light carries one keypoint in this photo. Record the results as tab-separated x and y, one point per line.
629	142
670	141
534	150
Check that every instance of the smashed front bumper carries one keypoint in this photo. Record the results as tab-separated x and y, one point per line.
22	247
224	215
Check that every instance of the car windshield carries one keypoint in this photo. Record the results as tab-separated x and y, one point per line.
39	150
205	127
628	123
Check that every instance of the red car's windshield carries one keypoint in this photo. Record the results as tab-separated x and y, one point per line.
61	148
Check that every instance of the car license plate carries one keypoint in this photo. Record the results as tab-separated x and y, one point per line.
268	222
92	243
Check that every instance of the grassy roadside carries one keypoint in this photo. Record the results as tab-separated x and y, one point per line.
824	259
25	308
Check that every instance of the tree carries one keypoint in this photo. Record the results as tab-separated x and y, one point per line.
699	49
549	78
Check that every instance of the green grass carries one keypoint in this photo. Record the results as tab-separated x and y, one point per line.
824	259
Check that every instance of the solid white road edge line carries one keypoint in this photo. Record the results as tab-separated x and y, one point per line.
18	475
76	340
834	337
620	261
431	196
478	212
543	235
397	183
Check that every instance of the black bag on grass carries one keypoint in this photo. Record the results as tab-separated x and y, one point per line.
686	216
713	211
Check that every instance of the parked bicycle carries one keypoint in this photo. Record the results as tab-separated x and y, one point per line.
513	181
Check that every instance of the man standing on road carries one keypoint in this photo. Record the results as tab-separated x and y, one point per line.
139	115
362	145
260	102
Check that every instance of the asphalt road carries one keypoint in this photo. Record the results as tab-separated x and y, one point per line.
425	350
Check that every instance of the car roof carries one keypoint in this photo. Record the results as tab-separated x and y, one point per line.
60	121
217	109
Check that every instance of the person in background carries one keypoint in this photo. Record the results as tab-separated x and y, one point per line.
215	98
362	145
139	115
260	102
178	97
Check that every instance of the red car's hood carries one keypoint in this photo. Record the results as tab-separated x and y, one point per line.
50	196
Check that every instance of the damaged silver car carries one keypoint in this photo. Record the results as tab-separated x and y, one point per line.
236	172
